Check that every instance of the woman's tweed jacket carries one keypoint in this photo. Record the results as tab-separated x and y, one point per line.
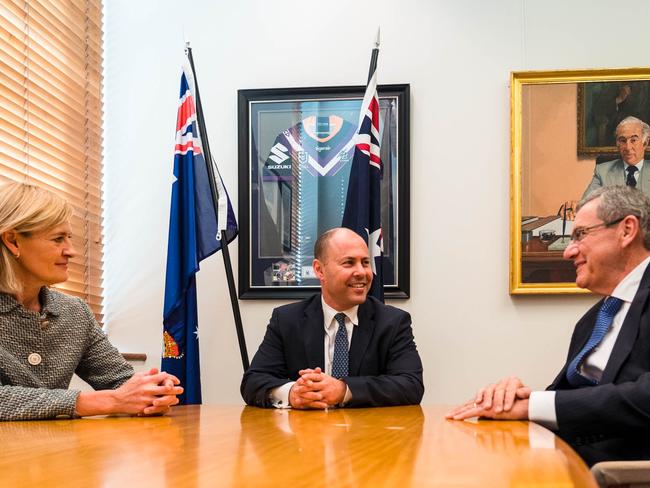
68	340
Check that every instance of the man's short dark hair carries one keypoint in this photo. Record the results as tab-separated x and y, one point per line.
617	202
320	247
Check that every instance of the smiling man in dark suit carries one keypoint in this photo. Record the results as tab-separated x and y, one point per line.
340	347
600	401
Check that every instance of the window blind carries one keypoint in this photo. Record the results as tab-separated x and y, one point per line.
51	118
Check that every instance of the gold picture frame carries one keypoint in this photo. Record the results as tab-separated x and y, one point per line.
551	163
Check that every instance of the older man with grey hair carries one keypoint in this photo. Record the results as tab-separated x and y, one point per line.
632	137
600	400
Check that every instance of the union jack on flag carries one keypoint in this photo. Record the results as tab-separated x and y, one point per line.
195	226
363	204
185	128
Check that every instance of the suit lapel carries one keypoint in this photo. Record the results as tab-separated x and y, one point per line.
644	177
314	334
361	336
629	330
617	173
582	333
585	327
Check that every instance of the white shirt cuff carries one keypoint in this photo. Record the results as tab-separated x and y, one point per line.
279	395
541	409
347	397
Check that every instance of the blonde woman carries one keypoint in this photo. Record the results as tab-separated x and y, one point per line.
46	336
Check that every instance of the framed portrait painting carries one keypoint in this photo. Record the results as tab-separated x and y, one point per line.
562	126
295	153
602	105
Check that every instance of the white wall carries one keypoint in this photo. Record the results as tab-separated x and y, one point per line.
457	56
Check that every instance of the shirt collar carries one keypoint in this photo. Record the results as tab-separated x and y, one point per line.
329	313
629	285
50	300
7	302
638	165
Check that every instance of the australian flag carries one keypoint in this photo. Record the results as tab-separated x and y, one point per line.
195	226
363	205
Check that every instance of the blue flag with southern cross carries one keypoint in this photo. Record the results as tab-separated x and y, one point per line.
195	226
363	204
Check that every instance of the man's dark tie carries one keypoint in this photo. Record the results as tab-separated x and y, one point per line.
631	180
340	360
608	309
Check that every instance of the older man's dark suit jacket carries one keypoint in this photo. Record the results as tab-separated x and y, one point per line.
611	421
384	365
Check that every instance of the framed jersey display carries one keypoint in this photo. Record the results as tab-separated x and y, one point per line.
296	147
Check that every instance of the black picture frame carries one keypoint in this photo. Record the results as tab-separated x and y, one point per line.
264	115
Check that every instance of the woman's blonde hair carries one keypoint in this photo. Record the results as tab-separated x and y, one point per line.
26	209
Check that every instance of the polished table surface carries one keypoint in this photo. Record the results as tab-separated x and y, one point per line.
245	446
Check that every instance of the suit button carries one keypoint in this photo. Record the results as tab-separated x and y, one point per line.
34	359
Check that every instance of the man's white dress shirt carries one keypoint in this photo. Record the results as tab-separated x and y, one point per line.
280	396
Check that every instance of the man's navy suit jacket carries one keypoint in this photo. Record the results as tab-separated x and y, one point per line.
611	421
384	365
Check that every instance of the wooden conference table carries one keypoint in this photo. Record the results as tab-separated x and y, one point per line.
244	446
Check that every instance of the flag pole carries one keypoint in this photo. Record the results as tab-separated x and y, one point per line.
373	59
365	176
241	339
